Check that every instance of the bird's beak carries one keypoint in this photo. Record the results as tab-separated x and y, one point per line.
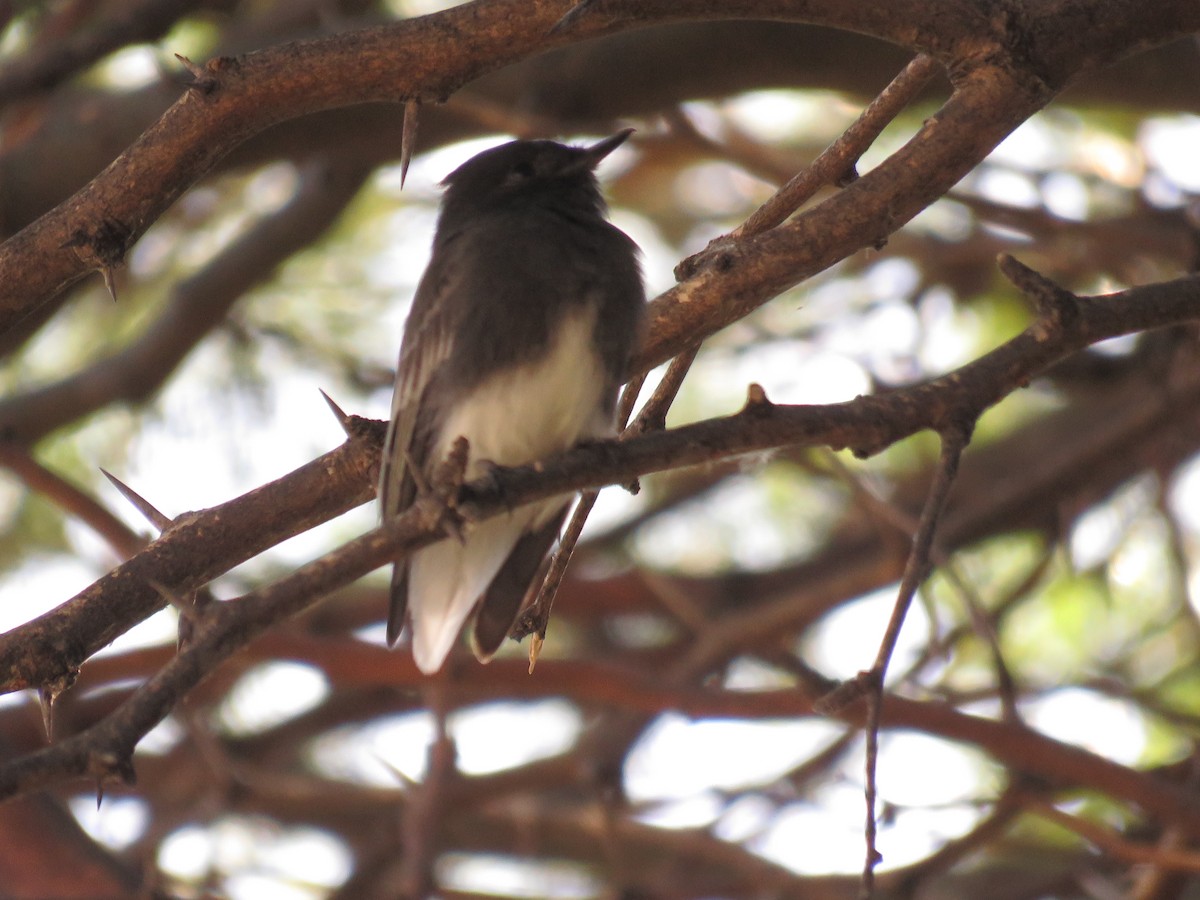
593	154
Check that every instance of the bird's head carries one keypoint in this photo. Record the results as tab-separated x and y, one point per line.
530	172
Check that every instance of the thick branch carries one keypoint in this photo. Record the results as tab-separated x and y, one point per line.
431	57
196	549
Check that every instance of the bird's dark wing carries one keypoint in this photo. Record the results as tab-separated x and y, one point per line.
428	343
503	600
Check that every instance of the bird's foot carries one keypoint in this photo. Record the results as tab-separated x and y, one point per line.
448	477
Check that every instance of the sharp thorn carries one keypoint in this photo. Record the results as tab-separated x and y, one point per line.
202	77
110	281
196	71
535	649
408	136
46	698
107	766
147	509
756	397
181	604
403	780
574	14
338	413
198	75
48	694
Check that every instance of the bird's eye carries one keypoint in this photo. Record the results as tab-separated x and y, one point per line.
523	169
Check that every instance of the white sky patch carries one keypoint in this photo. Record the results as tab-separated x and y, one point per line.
816	839
39	585
116	824
721	754
265	437
948	331
1035	144
1109	727
272	863
1170	144
187	853
419	7
776	116
792	372
488	738
162	738
374	753
509	877
825	836
1066	195
697	811
1185	495
269	694
845	641
1009	187
160	628
137	66
746	818
918	770
499	736
1099	531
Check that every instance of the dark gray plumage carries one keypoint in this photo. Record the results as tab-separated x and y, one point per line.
519	337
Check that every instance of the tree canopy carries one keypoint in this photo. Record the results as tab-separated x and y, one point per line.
896	559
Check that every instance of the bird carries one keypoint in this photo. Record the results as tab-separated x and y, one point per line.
520	334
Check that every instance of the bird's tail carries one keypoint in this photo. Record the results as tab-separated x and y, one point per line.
506	594
398	604
448	579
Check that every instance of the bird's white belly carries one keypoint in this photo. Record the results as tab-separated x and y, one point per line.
541	408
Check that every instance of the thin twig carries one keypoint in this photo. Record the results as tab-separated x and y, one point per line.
536	619
834	165
1163	857
902	521
869	684
653	417
954	441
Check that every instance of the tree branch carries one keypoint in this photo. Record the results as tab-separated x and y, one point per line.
430	57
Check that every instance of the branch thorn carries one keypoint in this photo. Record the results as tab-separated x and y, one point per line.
141	504
338	413
108	767
1056	306
756	397
408	136
177	601
202	79
573	15
46	698
110	281
48	695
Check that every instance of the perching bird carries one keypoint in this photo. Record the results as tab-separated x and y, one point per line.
519	337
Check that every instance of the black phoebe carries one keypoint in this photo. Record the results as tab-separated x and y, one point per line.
519	337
